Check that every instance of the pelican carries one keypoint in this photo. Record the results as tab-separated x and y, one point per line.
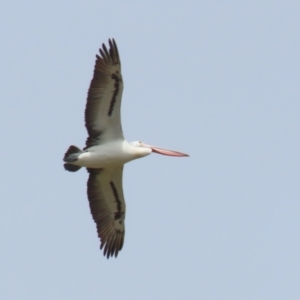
107	151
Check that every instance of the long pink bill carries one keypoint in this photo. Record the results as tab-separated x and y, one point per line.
165	151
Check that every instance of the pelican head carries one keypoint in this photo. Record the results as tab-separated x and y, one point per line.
155	149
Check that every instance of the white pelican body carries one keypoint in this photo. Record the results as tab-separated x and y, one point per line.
110	154
107	151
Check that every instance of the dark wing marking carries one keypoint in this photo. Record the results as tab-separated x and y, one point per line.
105	194
116	91
102	112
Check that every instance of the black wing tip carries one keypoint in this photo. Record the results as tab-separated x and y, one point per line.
112	43
111	253
112	247
109	55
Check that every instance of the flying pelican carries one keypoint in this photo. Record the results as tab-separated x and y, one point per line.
107	151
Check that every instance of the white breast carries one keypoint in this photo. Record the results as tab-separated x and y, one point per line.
110	154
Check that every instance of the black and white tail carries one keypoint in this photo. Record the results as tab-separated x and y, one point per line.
71	156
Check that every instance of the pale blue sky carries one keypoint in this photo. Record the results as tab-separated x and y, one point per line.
219	81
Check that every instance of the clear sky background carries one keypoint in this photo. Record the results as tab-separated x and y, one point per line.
216	79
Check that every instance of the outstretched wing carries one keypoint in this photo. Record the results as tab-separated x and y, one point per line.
105	194
102	112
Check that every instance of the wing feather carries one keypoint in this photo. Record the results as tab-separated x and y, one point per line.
102	112
107	205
